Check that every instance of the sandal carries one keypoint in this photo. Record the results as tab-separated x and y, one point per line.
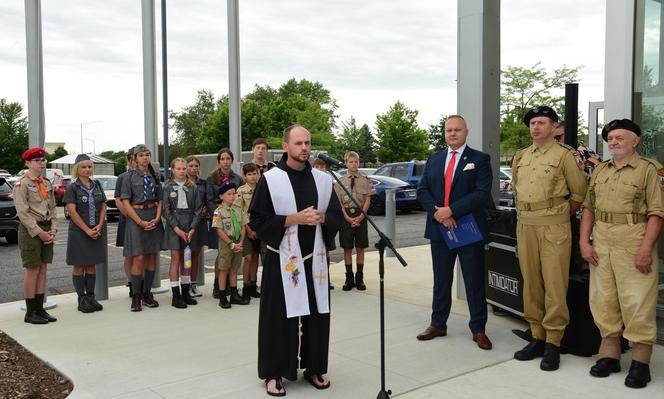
316	380
278	386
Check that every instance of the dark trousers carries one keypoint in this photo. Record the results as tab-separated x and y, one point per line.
471	258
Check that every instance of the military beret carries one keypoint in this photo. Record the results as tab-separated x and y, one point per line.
540	111
32	153
81	157
141	148
620	124
226	187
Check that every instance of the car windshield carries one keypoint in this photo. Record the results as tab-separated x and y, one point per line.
384	171
107	183
5	188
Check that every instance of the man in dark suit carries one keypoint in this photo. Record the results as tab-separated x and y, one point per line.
456	181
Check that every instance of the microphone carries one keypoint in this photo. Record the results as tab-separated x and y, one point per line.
329	160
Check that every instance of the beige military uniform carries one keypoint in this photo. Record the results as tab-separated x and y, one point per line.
31	208
222	219
543	179
622	199
243	199
360	187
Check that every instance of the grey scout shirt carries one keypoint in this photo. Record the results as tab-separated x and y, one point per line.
132	188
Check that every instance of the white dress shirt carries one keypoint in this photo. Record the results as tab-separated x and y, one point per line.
459	151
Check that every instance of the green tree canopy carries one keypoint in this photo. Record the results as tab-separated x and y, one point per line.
399	137
59	152
354	138
436	134
13	135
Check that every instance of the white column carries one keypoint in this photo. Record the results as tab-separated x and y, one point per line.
619	58
234	127
33	41
149	77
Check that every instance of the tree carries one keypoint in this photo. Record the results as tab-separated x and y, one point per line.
190	122
436	134
353	138
120	159
13	135
524	88
59	152
399	137
367	149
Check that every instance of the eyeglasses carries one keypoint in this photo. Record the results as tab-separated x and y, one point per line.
38	160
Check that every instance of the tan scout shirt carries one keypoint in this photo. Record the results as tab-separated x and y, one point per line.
30	206
635	188
243	199
221	219
362	188
546	174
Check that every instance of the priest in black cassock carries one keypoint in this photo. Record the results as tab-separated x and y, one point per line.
296	213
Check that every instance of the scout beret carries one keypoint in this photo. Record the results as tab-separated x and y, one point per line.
141	148
620	124
32	153
540	111
225	188
81	157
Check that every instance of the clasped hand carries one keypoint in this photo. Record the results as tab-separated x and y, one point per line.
310	216
443	215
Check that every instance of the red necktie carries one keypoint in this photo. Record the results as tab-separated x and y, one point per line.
449	173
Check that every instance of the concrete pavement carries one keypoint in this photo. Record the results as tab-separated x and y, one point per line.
207	352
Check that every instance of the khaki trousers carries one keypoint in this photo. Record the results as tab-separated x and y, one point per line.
620	295
544	252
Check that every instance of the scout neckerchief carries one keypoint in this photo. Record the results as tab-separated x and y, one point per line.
182	195
293	275
147	186
40	183
90	199
237	229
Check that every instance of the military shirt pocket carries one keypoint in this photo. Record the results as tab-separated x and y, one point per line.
629	190
33	193
601	187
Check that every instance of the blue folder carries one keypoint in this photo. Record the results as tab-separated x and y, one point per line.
466	232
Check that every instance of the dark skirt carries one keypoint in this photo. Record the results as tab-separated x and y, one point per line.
171	240
213	238
141	242
119	236
83	250
200	239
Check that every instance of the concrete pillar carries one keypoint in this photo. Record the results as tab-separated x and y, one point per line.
618	65
33	41
478	83
234	131
149	77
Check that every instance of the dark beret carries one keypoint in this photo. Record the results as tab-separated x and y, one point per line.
226	187
540	111
81	157
620	124
32	153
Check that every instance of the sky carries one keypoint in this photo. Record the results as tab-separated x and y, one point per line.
369	54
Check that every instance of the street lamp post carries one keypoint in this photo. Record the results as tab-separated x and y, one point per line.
85	123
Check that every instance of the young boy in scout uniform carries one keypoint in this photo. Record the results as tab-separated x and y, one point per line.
251	246
35	206
228	221
623	210
549	185
354	233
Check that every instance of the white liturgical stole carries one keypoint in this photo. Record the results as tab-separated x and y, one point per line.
293	275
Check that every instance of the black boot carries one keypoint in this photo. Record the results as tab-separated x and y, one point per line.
246	291
551	359
30	316
223	301
254	290
186	295
639	375
534	349
605	366
136	303
177	301
236	299
216	294
149	301
84	304
39	309
350	282
359	281
93	301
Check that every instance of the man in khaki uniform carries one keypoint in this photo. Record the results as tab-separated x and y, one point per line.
354	232
624	209
548	185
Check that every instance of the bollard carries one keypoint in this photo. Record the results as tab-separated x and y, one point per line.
200	280
390	217
101	269
156	283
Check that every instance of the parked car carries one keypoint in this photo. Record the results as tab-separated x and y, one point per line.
54	175
108	185
8	217
363	171
506	194
406	196
60	188
410	172
4	173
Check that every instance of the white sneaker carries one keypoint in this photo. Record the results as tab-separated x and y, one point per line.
194	292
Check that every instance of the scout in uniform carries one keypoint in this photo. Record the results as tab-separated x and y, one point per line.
142	199
354	233
86	240
182	210
200	239
549	186
260	149
219	177
623	210
122	219
228	222
35	206
251	247
329	241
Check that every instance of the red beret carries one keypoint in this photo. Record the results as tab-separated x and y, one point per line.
34	152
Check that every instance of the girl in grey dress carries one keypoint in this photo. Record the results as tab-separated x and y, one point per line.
86	240
141	196
182	210
201	237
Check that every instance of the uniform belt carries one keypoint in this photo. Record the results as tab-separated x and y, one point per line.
146	205
536	206
620	218
276	251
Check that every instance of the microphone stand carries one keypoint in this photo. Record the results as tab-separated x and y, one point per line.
383	242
